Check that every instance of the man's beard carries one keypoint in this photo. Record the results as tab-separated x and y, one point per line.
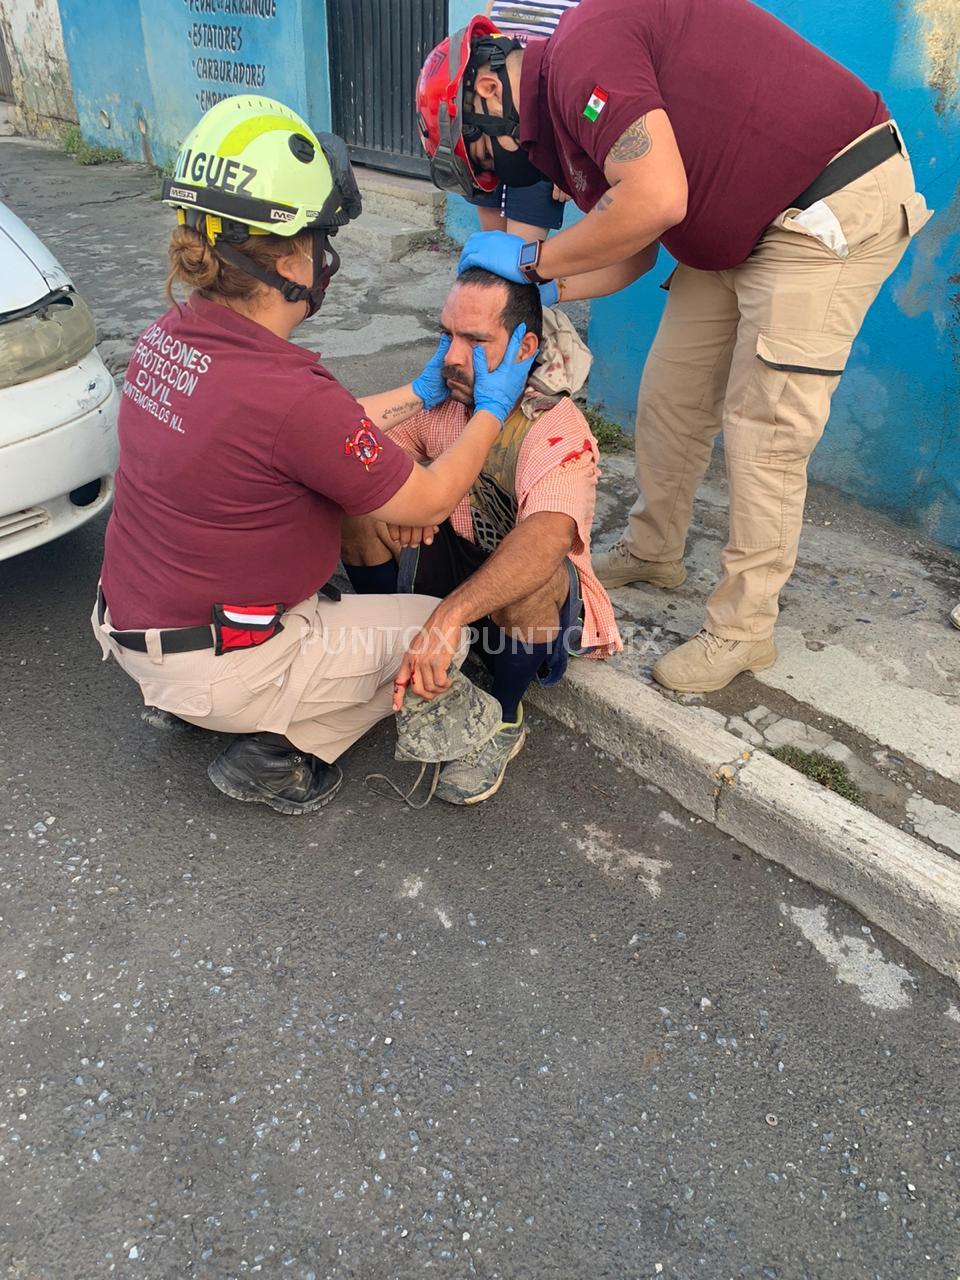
459	389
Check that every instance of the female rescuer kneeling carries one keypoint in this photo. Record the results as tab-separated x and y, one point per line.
240	453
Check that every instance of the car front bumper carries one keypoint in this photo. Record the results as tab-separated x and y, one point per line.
58	452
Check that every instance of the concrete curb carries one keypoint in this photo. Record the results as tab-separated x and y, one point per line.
406	200
384	237
894	880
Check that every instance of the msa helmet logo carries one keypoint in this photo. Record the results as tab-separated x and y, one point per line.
184	193
281	215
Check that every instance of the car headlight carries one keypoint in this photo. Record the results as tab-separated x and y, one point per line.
58	333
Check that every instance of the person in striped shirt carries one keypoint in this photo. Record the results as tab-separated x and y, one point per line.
534	211
513	557
524	18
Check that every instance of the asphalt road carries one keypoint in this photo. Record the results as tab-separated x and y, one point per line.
572	1034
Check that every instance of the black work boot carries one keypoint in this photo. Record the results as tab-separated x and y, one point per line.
266	768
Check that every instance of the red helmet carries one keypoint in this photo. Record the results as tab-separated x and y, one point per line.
440	114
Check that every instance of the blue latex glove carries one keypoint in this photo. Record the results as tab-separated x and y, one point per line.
499	391
496	251
430	386
550	293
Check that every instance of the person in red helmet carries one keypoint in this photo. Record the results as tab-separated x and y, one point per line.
782	187
452	132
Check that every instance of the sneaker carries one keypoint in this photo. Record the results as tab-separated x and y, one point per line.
266	769
618	567
478	776
707	662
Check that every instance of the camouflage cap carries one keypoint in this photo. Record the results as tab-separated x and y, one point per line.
448	726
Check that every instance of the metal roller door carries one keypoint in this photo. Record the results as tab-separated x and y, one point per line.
376	50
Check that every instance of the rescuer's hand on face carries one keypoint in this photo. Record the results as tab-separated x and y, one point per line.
498	391
430	386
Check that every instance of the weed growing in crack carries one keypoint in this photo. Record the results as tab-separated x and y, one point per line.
608	435
820	768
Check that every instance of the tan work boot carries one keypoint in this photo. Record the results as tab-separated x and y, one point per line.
707	662
618	567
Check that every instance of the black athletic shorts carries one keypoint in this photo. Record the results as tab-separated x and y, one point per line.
440	568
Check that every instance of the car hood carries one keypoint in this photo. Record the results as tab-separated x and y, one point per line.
28	270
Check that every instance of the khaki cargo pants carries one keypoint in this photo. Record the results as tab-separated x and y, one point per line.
323	681
758	351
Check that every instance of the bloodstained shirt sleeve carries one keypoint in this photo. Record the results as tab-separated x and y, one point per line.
570	489
623	83
328	444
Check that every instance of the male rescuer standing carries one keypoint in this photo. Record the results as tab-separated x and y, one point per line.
777	180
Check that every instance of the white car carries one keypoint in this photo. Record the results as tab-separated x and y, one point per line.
58	403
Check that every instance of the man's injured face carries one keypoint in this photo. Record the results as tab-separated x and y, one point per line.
478	311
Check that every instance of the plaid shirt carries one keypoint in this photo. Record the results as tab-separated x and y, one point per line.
556	470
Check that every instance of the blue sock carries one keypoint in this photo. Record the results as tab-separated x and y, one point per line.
372	579
514	666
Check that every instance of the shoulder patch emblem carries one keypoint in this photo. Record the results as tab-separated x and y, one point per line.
363	444
595	103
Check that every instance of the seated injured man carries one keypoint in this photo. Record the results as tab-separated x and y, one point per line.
512	561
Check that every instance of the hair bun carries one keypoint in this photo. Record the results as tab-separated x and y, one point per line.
192	260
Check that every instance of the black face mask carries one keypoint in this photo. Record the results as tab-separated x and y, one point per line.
326	264
514	168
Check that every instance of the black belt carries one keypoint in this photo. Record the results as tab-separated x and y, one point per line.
174	640
179	639
860	159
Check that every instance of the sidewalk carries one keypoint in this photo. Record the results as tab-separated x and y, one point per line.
869	665
869	668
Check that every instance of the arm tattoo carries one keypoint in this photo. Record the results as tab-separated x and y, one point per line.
400	410
633	144
605	201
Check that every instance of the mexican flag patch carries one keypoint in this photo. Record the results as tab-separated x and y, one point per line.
598	100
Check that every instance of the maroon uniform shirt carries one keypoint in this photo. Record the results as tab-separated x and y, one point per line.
757	111
239	453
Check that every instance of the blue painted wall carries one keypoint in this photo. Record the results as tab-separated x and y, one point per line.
104	46
316	64
893	440
152	67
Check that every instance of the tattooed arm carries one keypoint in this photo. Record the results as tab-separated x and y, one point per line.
390	408
647	196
